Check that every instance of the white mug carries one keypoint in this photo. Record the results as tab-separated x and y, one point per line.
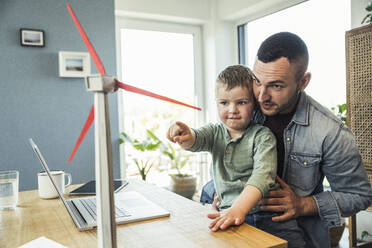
45	186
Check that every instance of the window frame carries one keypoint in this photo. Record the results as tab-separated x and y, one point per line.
254	14
241	35
152	25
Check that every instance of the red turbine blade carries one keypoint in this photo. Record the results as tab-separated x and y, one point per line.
84	131
90	47
150	94
130	88
102	71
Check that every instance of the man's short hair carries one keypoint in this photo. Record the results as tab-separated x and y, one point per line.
236	75
288	45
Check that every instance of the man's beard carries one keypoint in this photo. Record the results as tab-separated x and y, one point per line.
288	106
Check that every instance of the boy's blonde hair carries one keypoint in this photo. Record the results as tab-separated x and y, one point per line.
236	75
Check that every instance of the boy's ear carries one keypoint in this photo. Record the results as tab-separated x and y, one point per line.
305	80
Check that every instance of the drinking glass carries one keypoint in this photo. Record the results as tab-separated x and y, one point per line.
8	189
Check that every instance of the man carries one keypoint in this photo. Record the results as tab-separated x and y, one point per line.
311	142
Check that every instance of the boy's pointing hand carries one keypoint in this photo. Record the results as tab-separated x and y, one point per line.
180	133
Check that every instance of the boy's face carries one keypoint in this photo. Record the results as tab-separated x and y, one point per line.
235	108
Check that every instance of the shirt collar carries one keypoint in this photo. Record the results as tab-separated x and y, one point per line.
301	116
227	135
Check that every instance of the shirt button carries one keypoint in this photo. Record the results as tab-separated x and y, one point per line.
305	163
288	139
227	151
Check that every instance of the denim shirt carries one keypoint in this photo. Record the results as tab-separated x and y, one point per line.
319	145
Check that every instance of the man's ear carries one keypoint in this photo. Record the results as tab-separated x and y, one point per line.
305	80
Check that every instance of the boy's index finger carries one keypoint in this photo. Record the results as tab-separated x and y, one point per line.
182	125
173	133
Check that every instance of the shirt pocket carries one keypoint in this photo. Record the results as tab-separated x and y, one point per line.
304	171
240	157
242	165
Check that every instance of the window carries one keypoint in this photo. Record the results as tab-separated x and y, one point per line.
322	25
164	59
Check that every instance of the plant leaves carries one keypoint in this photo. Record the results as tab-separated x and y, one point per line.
152	147
364	235
153	143
152	135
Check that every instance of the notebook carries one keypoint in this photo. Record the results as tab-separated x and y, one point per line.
130	206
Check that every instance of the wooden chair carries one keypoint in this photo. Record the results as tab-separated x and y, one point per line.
353	243
359	103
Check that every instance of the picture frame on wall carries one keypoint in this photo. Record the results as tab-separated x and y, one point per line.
32	37
74	64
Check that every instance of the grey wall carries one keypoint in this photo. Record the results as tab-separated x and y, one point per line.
35	102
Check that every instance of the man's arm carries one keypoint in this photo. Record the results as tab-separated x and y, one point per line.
208	193
351	190
344	169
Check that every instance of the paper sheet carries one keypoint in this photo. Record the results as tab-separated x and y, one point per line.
41	243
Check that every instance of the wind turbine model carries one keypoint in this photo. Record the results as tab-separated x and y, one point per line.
101	85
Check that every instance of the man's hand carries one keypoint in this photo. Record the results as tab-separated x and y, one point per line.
226	218
285	200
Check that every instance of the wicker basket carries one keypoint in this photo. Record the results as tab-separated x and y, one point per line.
359	89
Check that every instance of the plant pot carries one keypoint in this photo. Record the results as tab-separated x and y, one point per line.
184	186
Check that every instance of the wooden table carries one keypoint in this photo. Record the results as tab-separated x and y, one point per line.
187	225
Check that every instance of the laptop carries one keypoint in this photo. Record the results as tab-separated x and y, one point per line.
130	206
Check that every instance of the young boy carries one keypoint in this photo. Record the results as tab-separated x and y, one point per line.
243	153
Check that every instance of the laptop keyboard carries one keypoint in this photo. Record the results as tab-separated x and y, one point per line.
90	205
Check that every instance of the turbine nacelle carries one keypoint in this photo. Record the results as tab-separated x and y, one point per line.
101	83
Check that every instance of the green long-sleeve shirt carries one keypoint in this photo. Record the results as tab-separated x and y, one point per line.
247	160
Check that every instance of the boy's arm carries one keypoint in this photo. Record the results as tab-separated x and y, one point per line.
235	215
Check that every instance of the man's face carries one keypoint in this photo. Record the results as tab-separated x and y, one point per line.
277	91
235	108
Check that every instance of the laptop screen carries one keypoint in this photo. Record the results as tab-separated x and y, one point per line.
46	168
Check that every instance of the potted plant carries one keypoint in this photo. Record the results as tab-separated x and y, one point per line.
149	144
180	182
340	112
368	18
